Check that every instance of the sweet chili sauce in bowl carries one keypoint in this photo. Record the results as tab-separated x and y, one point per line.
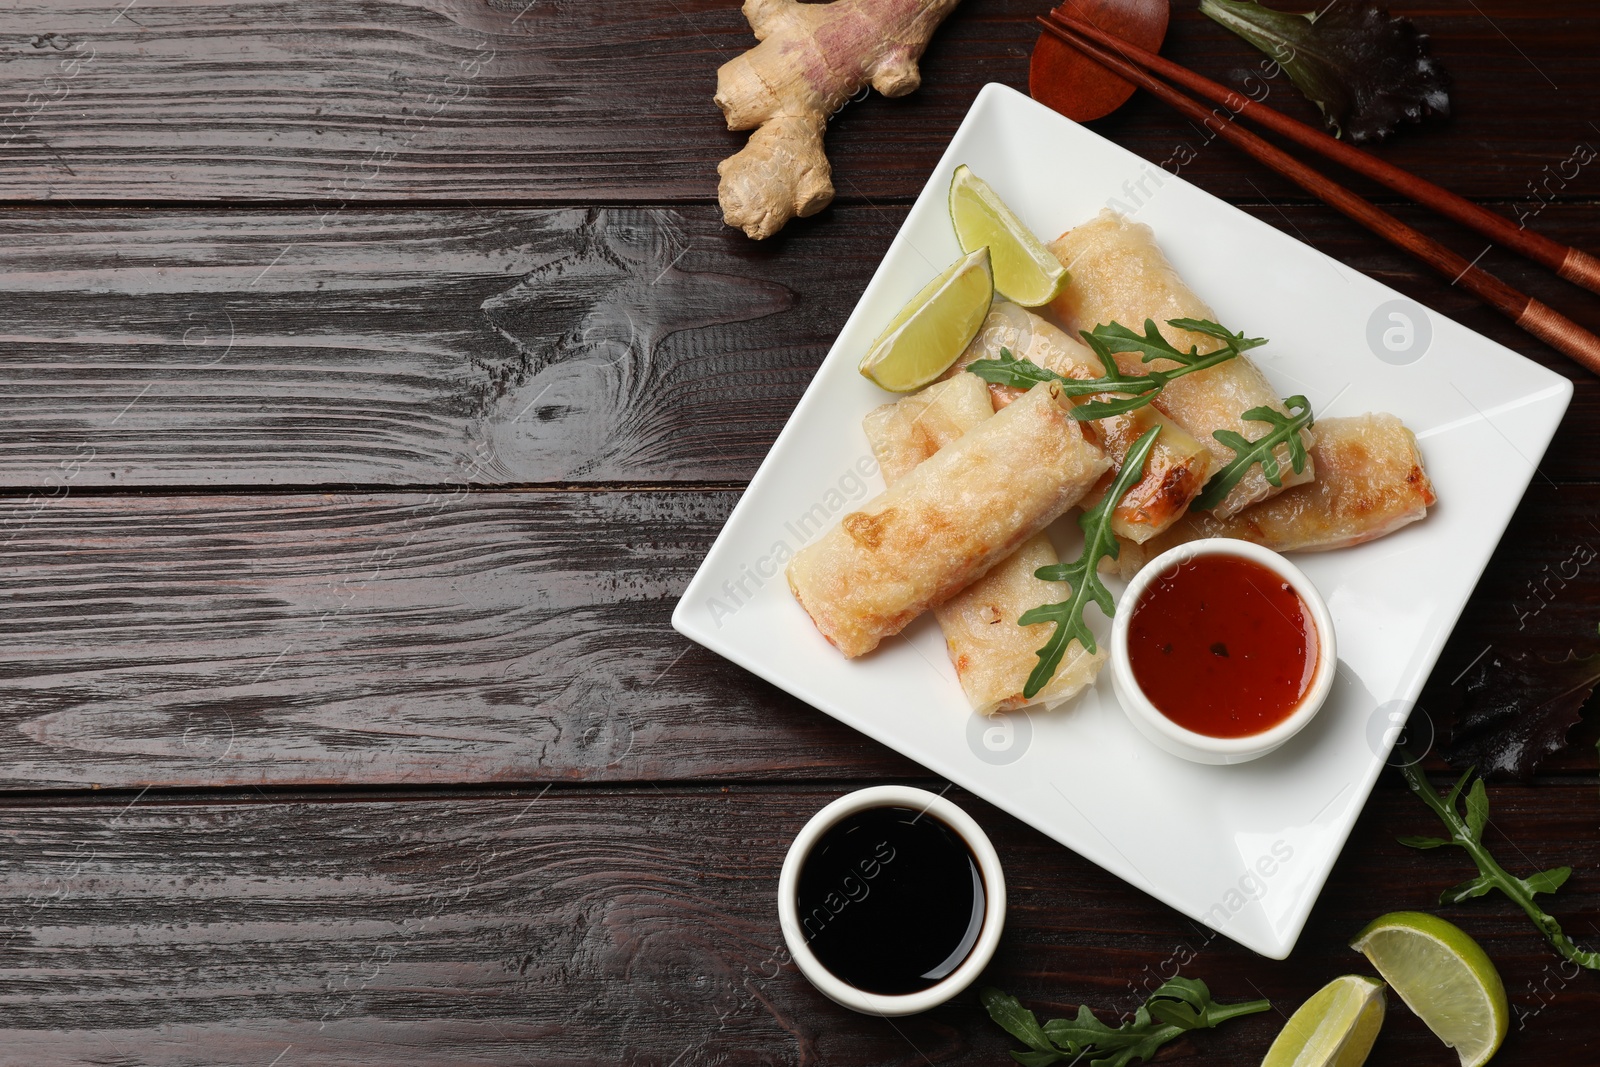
1222	651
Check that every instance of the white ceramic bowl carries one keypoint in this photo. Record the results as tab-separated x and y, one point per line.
1201	748
994	890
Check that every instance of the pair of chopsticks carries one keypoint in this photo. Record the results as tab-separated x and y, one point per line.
1135	64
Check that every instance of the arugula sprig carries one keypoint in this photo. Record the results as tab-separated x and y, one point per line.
1083	573
1467	833
1285	431
1113	337
1178	1006
1105	341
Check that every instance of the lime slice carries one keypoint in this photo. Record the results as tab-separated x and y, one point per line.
934	328
1444	977
1335	1028
1024	270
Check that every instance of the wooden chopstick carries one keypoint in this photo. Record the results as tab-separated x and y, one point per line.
1573	264
1538	319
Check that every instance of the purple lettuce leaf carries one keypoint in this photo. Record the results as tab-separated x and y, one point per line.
1366	70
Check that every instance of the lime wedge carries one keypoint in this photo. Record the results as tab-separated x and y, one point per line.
1444	977
1335	1028
934	328
1024	270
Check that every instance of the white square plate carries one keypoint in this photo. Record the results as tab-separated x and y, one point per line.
1242	849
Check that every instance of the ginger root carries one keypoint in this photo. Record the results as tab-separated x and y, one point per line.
812	59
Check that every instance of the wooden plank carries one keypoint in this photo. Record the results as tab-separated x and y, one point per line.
399	639
458	638
196	348
1539	596
638	926
404	347
339	101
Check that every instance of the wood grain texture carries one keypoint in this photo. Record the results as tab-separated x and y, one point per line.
341	101
227	348
402	348
1540	595
463	637
404	640
246	617
638	927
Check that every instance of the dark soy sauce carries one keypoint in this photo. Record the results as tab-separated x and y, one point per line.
891	900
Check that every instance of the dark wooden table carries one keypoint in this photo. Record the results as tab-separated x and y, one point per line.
373	377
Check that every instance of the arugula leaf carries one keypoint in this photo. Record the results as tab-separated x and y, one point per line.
1477	809
1105	341
1083	573
1467	833
1236	341
1037	1059
1115	337
1548	881
1085	1031
1285	431
1008	369
1365	70
1177	1007
1472	887
1422	842
1014	1019
1109	338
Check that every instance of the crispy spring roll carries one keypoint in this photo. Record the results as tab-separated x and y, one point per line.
908	431
1120	275
941	527
991	653
1178	465
1370	482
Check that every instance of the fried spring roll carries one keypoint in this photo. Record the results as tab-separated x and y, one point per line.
906	432
1178	465
991	653
1370	482
941	527
1120	275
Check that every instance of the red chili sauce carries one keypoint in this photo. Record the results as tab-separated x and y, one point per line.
1223	646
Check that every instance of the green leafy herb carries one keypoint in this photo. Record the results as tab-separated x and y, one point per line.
1366	71
1180	1005
1115	337
1467	832
1285	431
1025	374
1108	339
1083	573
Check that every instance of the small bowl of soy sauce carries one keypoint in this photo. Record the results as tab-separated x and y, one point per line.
891	900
